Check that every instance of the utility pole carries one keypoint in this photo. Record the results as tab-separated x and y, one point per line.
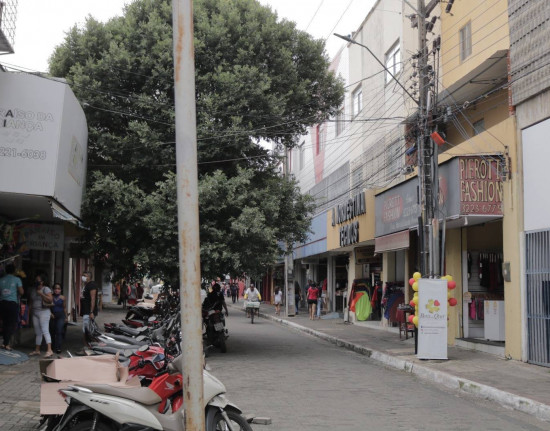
188	215
289	263
427	160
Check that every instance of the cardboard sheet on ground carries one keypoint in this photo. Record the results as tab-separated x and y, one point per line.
103	369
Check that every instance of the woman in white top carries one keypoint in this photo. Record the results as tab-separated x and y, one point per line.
278	300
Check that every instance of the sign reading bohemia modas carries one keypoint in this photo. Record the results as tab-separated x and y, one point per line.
354	207
432	319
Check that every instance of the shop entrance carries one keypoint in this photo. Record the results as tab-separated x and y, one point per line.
483	313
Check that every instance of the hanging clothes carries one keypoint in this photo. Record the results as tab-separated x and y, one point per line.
363	308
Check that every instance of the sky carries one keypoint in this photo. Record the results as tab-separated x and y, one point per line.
41	25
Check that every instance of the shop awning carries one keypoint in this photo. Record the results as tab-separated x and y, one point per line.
33	208
392	242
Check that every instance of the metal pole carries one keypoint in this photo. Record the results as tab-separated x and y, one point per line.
289	264
423	150
188	214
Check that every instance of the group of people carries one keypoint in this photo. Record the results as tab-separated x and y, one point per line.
128	292
47	308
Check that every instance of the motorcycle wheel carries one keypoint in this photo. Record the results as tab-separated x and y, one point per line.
87	426
252	312
221	341
216	422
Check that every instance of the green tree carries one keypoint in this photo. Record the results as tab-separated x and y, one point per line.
257	78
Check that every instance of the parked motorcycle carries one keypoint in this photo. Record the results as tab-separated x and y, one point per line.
155	407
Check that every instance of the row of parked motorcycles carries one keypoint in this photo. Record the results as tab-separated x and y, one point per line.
148	342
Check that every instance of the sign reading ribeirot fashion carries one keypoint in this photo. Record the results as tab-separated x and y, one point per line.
354	207
432	319
481	189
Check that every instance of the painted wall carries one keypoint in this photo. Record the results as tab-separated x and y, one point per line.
489	32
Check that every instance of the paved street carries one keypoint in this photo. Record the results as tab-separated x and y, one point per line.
301	382
304	383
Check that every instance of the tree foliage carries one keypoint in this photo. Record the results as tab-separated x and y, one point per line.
257	78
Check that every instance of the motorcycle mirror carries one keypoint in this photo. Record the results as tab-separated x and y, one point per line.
128	352
152	319
143	348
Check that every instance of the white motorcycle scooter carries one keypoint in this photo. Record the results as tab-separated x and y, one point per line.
95	407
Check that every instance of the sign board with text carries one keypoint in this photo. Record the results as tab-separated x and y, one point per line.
432	319
43	139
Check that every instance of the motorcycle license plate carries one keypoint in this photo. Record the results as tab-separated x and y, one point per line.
218	326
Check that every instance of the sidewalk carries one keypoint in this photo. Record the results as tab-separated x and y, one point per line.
20	383
510	383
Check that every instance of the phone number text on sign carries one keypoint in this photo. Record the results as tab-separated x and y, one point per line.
25	154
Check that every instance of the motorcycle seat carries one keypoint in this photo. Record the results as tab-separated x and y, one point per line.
138	394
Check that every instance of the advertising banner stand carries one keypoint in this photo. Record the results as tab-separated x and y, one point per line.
432	319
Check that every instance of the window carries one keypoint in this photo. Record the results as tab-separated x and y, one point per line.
465	35
393	62
357	101
302	151
479	127
340	122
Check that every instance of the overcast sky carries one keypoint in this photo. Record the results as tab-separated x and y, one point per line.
41	25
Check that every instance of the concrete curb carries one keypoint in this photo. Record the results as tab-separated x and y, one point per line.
506	399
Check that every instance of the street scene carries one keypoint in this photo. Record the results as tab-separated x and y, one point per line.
269	214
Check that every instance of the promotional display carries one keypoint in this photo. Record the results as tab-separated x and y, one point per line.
432	318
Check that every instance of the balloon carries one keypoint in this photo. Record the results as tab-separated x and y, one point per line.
417	275
411	303
410	318
415	295
451	284
415	286
415	300
449	278
416	309
415	321
411	281
452	302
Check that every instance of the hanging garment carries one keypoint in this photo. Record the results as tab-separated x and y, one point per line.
356	298
363	308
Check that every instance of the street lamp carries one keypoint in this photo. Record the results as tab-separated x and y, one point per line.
350	40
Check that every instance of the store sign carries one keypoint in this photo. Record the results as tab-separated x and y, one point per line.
481	189
43	139
432	319
43	236
354	207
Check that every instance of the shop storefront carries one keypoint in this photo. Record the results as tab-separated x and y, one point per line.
355	270
471	195
43	146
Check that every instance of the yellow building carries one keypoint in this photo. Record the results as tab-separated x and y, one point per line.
479	124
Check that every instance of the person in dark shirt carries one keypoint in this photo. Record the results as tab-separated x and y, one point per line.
215	299
88	303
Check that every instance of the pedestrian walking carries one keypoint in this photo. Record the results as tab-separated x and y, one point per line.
41	301
320	301
123	294
234	292
10	287
88	305
312	295
278	300
297	296
132	295
58	317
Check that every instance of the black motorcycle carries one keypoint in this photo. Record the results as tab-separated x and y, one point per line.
214	332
